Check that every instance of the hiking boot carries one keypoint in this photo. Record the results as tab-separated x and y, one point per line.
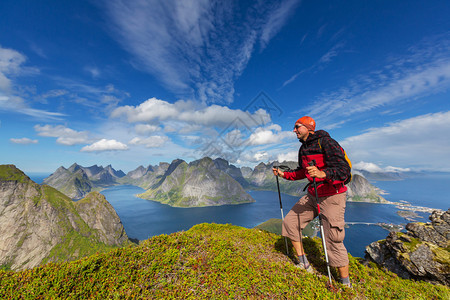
308	269
349	285
346	282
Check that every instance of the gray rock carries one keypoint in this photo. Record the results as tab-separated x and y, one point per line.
422	253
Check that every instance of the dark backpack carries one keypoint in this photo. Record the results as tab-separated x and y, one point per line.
347	181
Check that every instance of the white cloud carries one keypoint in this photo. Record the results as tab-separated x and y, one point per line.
64	135
94	71
424	71
367	166
333	52
374	168
261	156
416	143
396	169
191	45
10	64
105	145
155	110
320	64
269	135
155	141
249	158
290	156
23	141
277	19
98	98
145	129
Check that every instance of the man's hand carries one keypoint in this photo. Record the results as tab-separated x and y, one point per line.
315	173
278	172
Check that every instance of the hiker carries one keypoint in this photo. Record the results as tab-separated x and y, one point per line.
330	171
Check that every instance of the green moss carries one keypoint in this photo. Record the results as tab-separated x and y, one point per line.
22	240
412	245
442	255
11	173
5	267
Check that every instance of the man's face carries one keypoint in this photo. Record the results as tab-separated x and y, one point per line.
301	131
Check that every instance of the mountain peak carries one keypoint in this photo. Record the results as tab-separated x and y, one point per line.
12	173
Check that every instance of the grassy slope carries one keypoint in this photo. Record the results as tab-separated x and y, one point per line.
209	261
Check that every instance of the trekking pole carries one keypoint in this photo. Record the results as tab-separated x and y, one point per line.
313	163
282	215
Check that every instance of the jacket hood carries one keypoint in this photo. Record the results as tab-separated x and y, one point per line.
314	137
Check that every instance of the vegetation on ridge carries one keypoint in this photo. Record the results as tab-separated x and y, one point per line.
11	173
207	261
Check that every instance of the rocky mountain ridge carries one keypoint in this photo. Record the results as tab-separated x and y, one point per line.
202	182
160	184
39	224
77	181
422	253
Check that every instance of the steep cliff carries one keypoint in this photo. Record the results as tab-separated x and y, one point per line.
39	224
199	183
422	253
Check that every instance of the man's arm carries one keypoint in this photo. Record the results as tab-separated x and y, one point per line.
292	175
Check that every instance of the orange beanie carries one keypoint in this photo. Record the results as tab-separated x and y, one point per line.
308	122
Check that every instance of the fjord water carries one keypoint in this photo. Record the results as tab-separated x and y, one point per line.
429	190
143	218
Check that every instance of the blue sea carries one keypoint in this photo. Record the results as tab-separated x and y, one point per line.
143	218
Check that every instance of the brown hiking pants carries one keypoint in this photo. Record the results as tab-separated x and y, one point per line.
332	209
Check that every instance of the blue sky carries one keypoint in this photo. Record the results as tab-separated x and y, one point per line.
132	83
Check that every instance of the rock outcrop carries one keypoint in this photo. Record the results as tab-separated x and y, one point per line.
39	224
199	183
422	253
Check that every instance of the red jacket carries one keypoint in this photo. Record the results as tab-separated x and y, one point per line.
329	158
